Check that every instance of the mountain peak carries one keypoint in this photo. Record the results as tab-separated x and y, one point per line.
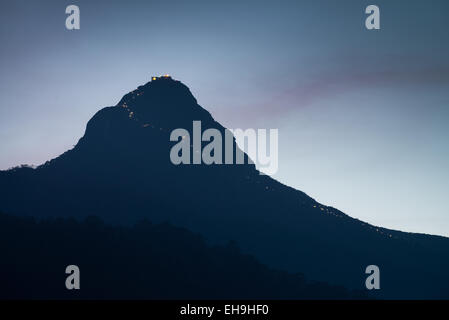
165	77
164	101
162	89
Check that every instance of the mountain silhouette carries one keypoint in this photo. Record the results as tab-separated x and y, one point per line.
120	170
145	261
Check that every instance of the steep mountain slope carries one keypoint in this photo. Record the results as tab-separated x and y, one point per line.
121	171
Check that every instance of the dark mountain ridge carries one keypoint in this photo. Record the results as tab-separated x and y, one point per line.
145	261
120	170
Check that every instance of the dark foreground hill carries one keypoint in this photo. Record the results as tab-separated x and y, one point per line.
146	261
121	171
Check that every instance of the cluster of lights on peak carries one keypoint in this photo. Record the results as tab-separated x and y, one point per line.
165	76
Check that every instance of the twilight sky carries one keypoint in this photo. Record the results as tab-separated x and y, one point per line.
362	115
